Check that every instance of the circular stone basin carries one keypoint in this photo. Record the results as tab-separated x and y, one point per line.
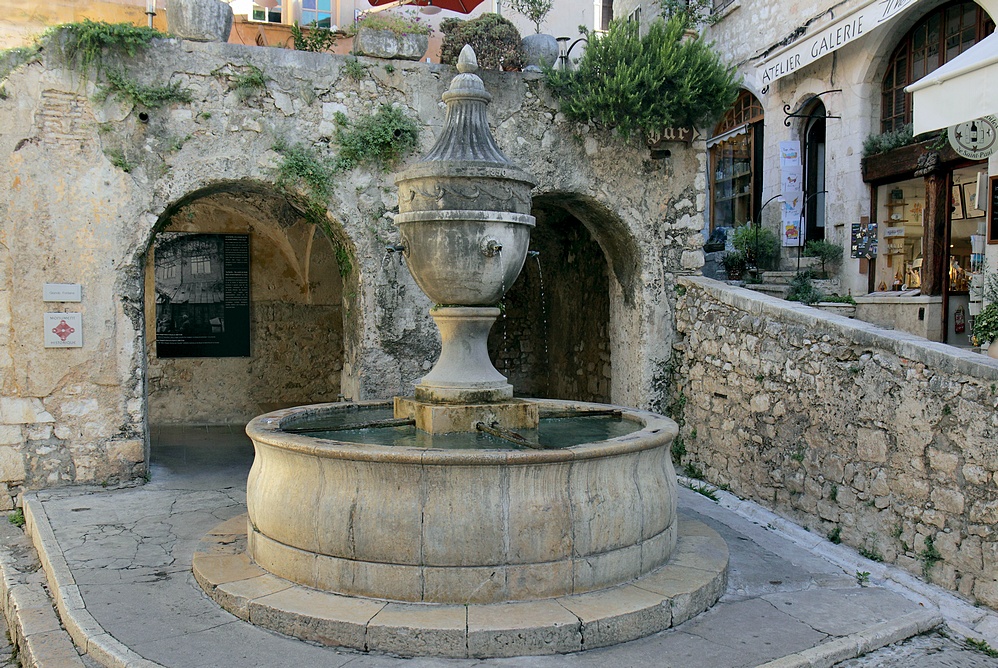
460	525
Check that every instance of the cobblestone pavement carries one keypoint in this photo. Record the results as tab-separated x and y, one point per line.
932	650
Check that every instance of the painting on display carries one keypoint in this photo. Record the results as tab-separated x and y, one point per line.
202	295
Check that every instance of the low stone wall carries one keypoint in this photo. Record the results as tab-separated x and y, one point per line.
877	438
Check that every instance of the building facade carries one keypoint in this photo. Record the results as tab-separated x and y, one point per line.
819	147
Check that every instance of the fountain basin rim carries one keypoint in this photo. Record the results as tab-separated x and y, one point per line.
464	216
464	169
266	430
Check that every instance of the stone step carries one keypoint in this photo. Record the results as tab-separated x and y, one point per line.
777	277
775	289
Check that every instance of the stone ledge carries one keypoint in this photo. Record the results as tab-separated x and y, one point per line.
691	582
937	355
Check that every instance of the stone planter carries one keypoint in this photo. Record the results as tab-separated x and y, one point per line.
199	20
387	44
539	50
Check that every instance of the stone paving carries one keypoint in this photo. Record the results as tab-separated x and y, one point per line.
129	552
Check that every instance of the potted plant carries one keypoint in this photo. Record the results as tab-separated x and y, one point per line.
986	328
387	35
494	38
735	263
538	50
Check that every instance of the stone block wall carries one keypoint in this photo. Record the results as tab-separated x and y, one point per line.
88	183
878	438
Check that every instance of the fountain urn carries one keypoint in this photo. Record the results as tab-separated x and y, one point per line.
464	220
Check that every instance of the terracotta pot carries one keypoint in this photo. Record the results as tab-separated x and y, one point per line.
993	349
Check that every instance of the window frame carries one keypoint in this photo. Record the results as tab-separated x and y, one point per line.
895	103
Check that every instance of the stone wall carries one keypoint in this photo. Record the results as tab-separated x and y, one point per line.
553	341
71	213
881	439
296	321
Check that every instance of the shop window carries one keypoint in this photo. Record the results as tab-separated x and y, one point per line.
605	15
939	37
736	164
317	13
267	14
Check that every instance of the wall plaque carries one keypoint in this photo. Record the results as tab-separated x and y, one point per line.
202	295
62	292
63	330
976	139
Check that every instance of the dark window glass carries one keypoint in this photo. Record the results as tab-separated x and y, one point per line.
940	36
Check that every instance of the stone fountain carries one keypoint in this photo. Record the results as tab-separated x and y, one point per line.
397	528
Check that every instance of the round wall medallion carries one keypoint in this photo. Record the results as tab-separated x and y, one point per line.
976	139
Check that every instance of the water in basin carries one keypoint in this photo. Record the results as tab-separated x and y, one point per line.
559	432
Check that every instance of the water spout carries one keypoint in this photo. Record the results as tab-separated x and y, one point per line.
491	248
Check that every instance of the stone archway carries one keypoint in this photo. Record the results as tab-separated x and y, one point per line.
295	315
556	337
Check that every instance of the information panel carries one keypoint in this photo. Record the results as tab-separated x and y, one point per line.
202	295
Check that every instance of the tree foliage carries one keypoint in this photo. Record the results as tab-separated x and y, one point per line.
646	83
495	39
534	11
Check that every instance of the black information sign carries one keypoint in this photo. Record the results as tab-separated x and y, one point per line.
864	240
993	210
202	295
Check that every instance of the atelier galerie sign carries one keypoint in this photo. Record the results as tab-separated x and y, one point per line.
850	27
202	295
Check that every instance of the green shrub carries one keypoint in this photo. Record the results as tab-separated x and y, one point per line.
401	24
802	289
495	39
735	263
633	82
768	245
838	299
691	12
88	42
381	140
119	85
888	141
830	254
986	324
316	40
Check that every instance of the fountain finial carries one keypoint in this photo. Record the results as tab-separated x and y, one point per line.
467	61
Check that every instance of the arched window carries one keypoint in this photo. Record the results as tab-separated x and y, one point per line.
939	37
736	163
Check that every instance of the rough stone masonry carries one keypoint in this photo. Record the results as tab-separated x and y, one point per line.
73	214
878	439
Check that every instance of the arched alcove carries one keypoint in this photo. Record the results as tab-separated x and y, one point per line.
555	339
224	343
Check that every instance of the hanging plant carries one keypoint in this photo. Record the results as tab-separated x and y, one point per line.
631	82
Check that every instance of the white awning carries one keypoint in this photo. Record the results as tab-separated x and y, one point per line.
963	89
734	132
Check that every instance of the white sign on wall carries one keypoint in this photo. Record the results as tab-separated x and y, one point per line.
850	27
976	139
792	192
62	292
63	330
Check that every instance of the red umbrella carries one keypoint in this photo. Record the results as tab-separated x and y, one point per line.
460	6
